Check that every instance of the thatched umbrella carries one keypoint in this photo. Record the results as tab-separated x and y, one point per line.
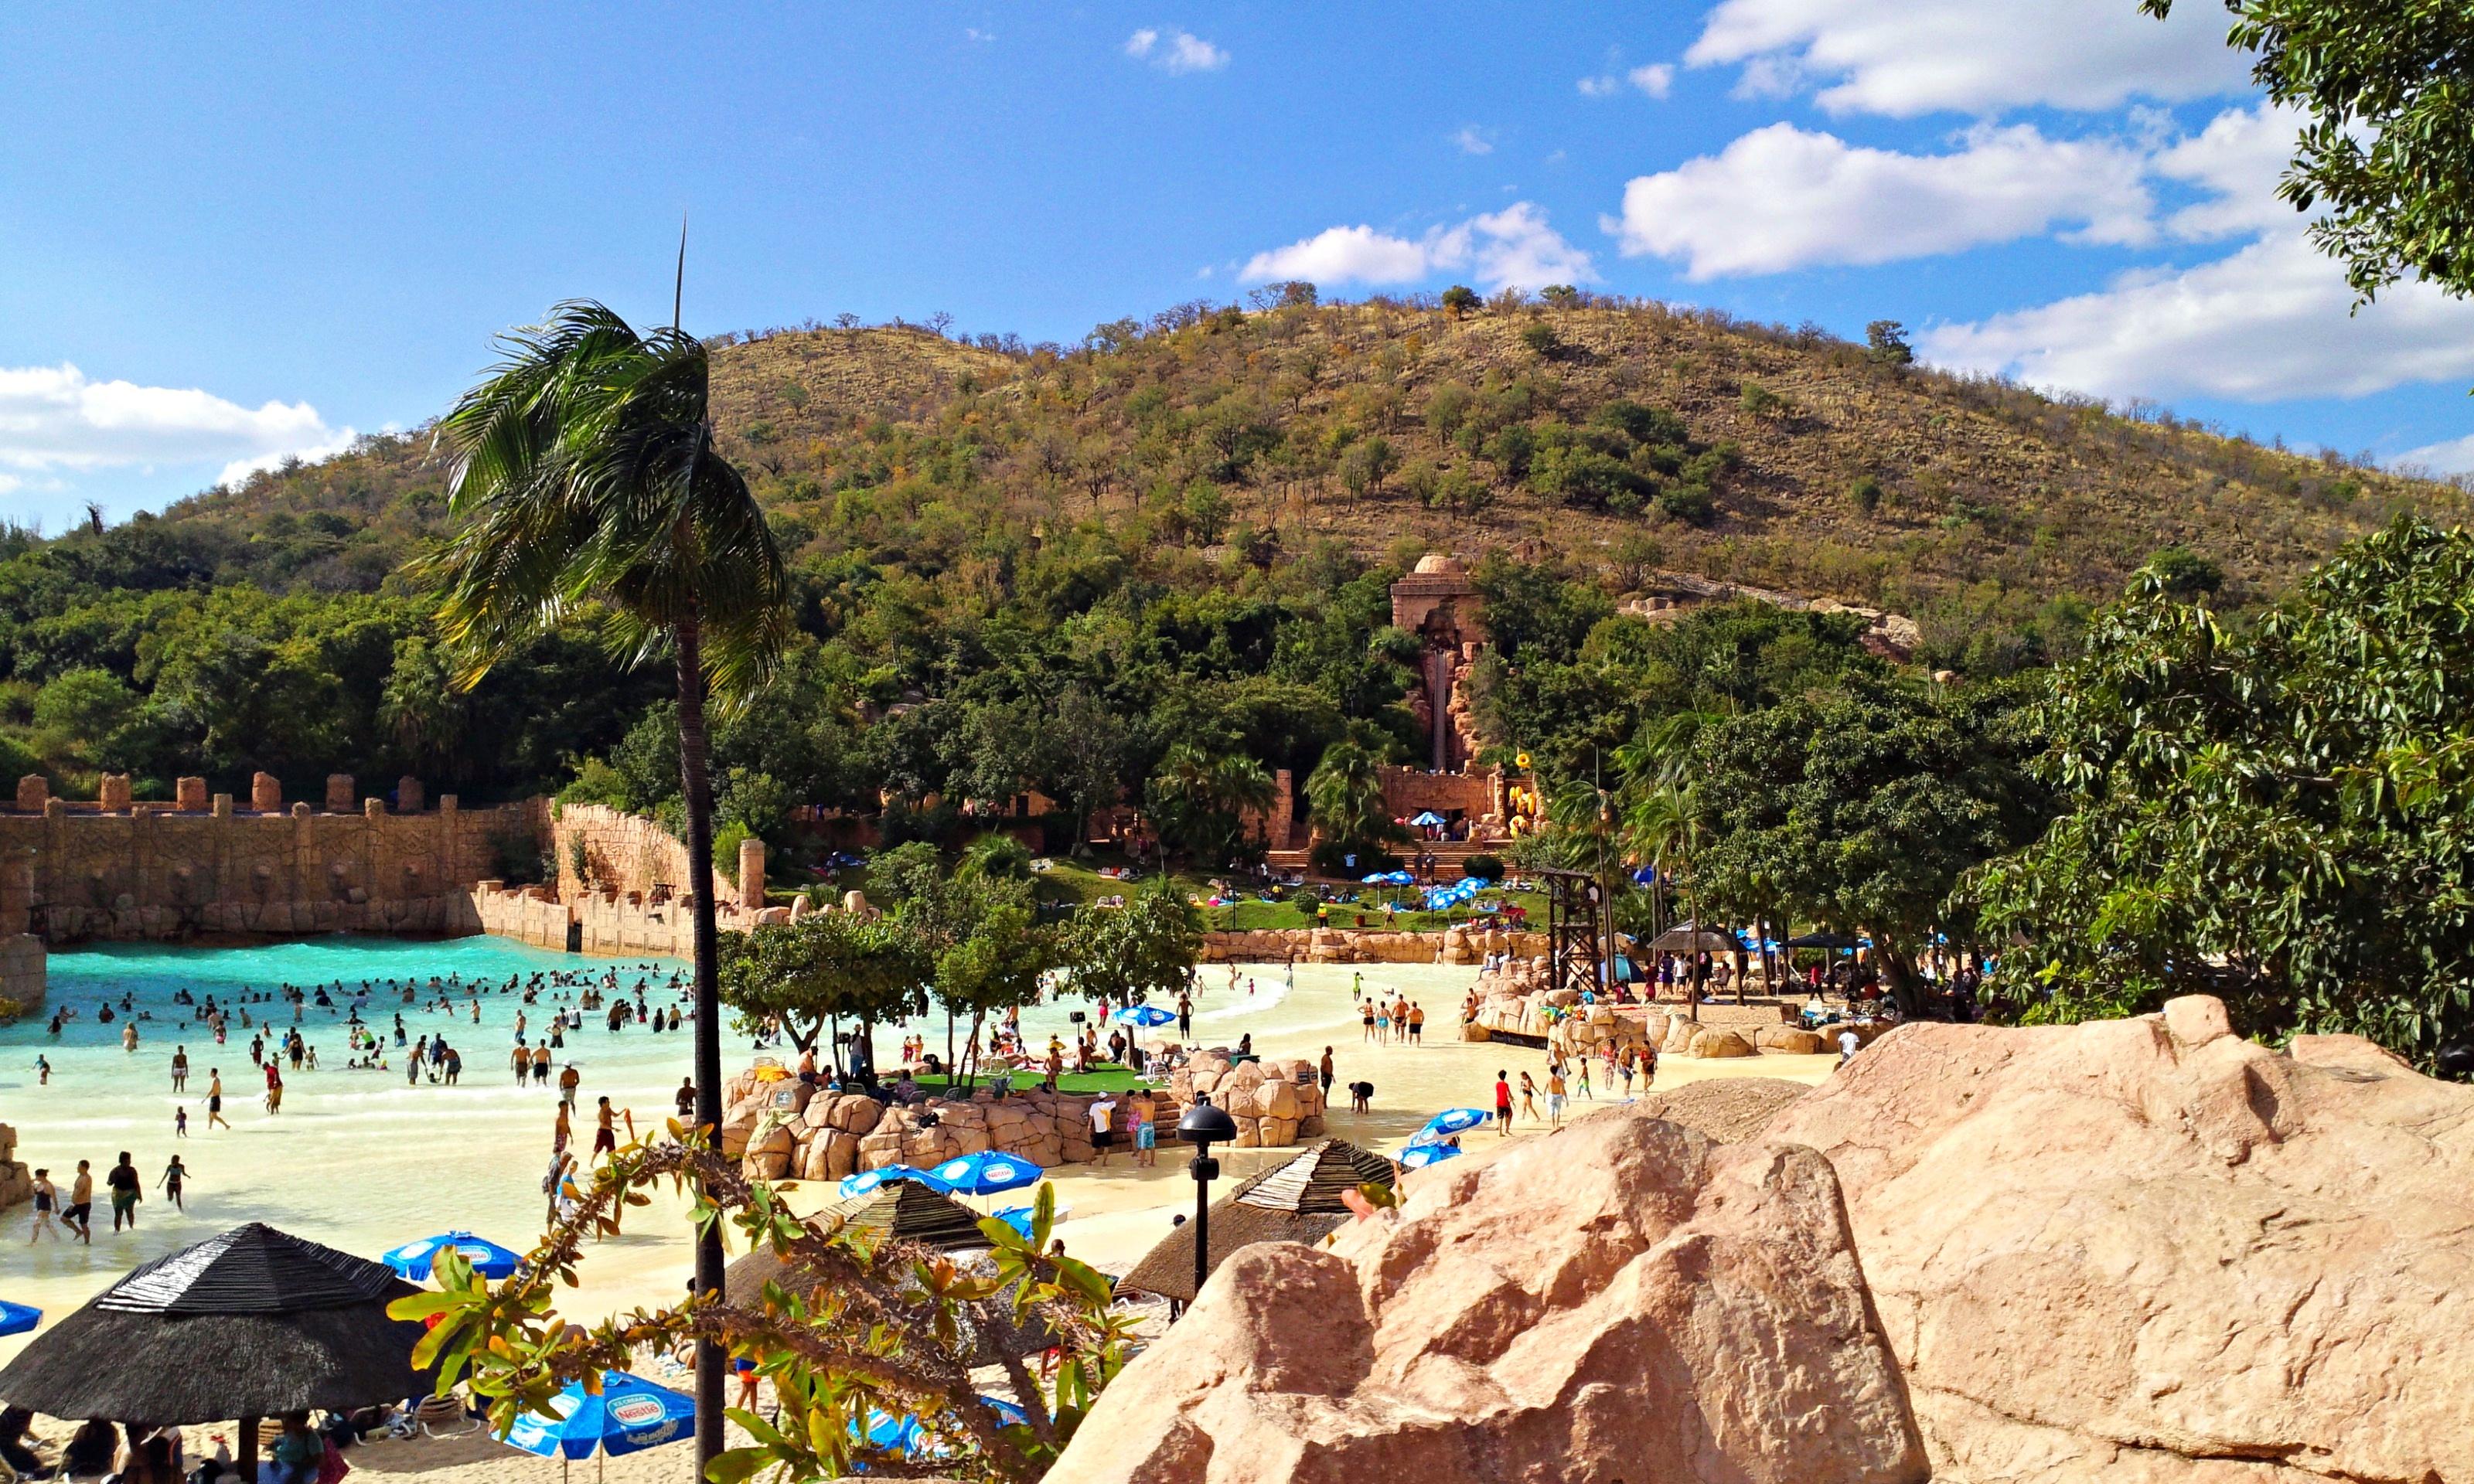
1689	937
1299	1201
251	1324
904	1211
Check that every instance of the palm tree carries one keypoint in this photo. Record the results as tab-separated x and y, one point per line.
1344	795
584	474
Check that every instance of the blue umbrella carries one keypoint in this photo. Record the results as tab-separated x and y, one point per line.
862	1184
412	1259
1646	876
986	1173
18	1319
1420	1156
1378	878
629	1415
1143	1015
1017	1217
905	1432
1451	1120
1427	818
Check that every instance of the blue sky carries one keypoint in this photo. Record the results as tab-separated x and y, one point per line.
236	236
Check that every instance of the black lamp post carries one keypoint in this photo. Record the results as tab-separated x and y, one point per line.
1202	1127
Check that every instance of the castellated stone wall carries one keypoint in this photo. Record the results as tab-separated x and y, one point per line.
155	871
622	890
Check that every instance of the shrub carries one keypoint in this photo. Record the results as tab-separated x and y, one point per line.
1865	494
1539	338
1758	400
1691	504
1641	424
1485	868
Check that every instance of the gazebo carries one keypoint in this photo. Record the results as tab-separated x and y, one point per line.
251	1324
1299	1201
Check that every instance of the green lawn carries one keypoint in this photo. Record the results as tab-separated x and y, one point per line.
1109	1079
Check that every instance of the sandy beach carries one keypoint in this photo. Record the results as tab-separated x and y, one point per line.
364	1164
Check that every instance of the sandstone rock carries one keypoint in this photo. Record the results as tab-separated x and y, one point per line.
1788	1040
1622	1300
1719	1042
2148	1250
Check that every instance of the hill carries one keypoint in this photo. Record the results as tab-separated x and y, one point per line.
1626	437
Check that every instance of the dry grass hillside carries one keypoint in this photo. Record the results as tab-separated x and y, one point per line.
1626	437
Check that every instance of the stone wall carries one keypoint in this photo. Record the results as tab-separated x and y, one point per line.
1514	1001
1455	945
156	871
16	1182
631	898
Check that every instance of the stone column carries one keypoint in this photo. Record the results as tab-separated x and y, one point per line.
114	794
339	793
56	853
450	841
266	793
189	796
751	872
407	795
34	791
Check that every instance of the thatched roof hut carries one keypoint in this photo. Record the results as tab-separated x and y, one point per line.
909	1212
249	1323
1299	1201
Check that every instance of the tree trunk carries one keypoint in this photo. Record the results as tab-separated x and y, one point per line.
695	783
1898	976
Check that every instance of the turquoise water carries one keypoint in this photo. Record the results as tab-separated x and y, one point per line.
358	1158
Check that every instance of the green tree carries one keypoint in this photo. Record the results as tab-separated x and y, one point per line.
1345	799
998	966
1126	954
2276	814
826	967
584	470
1863	809
1197	802
1459	299
1886	341
2388	143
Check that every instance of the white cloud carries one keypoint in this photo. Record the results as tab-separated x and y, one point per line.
2270	322
1175	51
1653	79
2453	457
1512	246
1904	58
1472	140
1782	198
56	419
1342	254
2235	162
974	33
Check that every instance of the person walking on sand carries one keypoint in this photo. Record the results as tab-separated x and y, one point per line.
1326	1073
46	1196
80	1215
1184	1015
1584	1069
569	1080
1366	1018
1104	1127
180	1068
1529	1096
175	1174
605	1128
1502	1105
1555	1094
215	1098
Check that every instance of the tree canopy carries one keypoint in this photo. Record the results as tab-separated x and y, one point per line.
2274	812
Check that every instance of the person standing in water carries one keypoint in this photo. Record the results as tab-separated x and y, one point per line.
174	1174
215	1098
180	1068
46	1194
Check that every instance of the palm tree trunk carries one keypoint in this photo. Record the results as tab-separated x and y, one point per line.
695	783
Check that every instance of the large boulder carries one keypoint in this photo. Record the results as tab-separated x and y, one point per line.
2150	1251
1790	1041
1716	1041
1623	1299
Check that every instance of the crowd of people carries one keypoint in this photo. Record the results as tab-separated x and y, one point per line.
549	1006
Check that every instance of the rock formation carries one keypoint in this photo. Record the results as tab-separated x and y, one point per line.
2149	1251
1623	1299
